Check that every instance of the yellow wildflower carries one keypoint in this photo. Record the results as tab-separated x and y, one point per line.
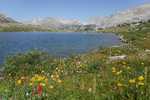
113	69
51	86
119	72
119	84
19	82
124	63
140	83
57	76
33	79
142	63
31	84
140	78
132	81
40	78
59	81
43	84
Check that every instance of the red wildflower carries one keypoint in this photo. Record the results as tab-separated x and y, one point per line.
39	89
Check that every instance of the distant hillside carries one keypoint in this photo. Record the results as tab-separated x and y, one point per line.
8	24
131	15
135	33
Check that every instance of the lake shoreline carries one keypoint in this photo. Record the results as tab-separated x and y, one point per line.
70	43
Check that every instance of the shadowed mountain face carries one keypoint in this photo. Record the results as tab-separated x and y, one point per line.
5	19
136	14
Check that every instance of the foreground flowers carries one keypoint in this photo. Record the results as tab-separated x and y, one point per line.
39	89
140	83
69	80
19	82
39	78
120	84
132	81
140	78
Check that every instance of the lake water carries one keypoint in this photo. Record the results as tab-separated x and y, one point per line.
57	44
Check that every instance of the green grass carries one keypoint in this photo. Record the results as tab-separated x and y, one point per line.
16	27
86	77
138	35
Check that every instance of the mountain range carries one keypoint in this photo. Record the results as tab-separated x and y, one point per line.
132	15
53	23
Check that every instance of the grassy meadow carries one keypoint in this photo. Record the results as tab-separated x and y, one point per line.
36	75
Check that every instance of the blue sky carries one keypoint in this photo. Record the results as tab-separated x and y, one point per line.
70	9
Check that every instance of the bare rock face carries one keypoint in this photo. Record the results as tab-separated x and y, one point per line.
116	58
136	14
